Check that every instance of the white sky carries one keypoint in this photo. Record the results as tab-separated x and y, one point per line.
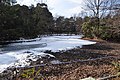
65	8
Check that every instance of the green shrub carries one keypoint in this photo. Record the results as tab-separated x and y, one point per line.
31	74
92	30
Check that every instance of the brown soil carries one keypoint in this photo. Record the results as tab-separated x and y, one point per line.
89	61
98	68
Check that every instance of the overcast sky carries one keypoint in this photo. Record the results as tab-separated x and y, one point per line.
60	7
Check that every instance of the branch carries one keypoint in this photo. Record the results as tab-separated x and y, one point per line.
109	77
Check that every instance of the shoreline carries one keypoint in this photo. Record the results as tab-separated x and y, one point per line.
77	70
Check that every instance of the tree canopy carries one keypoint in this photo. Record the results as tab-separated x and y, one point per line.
22	21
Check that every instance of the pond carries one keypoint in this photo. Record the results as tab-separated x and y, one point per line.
19	54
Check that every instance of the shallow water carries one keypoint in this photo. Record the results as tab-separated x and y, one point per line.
18	54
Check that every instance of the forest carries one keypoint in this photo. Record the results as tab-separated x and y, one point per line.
29	22
35	44
22	21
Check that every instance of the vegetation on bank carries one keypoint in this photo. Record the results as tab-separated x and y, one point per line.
22	21
105	20
28	22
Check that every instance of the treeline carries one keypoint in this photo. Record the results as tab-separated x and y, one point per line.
70	25
22	21
29	22
108	28
105	20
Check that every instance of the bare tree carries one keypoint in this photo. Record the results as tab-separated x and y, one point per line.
99	8
96	6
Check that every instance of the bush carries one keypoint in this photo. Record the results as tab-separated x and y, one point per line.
91	30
